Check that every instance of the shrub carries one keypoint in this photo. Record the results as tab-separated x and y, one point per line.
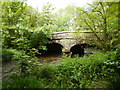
81	72
12	54
17	54
21	43
47	71
114	81
39	38
6	55
29	66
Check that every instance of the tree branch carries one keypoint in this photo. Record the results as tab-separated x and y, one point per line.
92	30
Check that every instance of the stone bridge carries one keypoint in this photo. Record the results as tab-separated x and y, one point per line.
70	38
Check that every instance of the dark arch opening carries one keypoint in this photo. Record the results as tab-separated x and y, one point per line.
77	49
53	49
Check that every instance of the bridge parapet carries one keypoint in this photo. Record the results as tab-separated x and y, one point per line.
70	35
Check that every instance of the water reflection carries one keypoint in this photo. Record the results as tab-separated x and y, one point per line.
49	57
55	56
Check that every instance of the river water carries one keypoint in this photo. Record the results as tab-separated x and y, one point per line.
56	57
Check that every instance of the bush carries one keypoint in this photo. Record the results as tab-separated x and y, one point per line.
29	66
82	72
47	71
21	43
6	55
39	38
114	81
12	54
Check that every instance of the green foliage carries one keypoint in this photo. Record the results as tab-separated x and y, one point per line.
17	54
29	66
47	72
21	43
6	55
114	81
47	15
78	72
84	72
12	54
39	37
81	72
25	82
12	12
32	74
63	19
24	28
102	19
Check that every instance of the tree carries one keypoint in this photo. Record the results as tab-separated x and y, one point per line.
63	19
47	13
12	16
11	20
23	26
101	17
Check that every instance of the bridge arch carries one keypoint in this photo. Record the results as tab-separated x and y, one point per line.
77	49
54	48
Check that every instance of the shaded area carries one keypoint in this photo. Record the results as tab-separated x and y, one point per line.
53	49
77	49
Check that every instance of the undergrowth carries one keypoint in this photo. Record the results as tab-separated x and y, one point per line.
101	70
12	54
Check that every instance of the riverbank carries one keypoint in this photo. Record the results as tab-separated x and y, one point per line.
94	71
12	66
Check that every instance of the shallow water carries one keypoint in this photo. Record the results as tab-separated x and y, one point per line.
49	58
55	57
